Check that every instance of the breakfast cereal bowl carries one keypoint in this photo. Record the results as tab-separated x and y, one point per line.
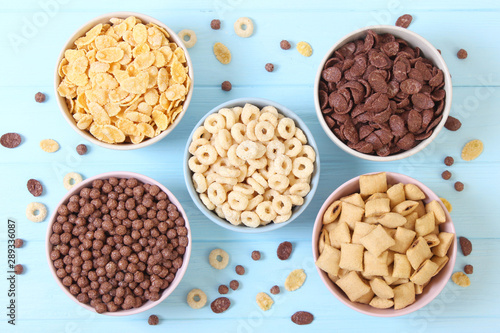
368	114
124	245
128	94
296	209
429	292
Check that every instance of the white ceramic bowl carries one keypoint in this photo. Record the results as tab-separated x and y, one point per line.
436	284
296	211
61	101
146	180
414	40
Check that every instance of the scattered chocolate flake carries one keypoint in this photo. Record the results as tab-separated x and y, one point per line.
35	187
302	318
220	304
465	245
10	140
452	124
404	21
284	250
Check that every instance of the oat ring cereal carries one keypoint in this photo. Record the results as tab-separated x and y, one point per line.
36	212
196	299
191	41
214	256
243	27
71	179
250	219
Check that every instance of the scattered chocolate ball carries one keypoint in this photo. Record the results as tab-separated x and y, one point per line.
18	269
215	24
39	97
255	255
275	290
226	86
468	269
269	67
81	149
446	175
234	284
18	242
240	270
285	45
153	320
459	186
462	54
223	289
449	161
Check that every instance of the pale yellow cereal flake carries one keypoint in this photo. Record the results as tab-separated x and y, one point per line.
175	92
127	127
146	129
264	301
447	204
49	145
222	53
137	84
89	36
304	48
100	115
161	120
295	280
472	150
461	279
104	41
84	122
140	34
110	54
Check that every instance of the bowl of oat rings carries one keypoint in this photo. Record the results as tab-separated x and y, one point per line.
382	93
251	165
124	80
118	243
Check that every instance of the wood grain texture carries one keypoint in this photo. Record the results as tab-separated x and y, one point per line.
450	25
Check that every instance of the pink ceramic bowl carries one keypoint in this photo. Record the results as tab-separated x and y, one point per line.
436	284
146	180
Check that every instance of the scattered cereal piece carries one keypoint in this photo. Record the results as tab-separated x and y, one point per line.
215	24
18	269
275	290
226	86
461	279
71	179
446	175
153	320
36	212
264	301
468	269
302	318
49	145
255	255
18	242
462	54
452	124
214	261
196	299
223	289
459	186
234	284
449	161
222	53
10	140
39	97
404	21
447	204
285	45
465	245
240	270
81	149
284	250
269	67
295	280
472	150
35	187
243	27
220	304
304	48
191	37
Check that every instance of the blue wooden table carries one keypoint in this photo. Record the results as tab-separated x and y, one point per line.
33	33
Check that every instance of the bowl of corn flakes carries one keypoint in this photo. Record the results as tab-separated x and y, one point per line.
124	80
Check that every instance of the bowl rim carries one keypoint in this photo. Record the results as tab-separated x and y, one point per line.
178	276
365	308
61	101
260	102
435	57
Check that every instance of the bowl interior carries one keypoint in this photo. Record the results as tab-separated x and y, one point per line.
436	284
61	101
178	276
296	211
428	50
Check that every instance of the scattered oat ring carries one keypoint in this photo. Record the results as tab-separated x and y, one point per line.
36	212
192	37
238	27
72	176
214	262
196	293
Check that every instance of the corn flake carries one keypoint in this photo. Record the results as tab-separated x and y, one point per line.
222	53
472	150
304	48
49	145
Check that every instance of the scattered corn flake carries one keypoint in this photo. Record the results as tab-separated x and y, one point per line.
264	301
295	280
472	150
461	279
304	48
447	204
49	145
222	53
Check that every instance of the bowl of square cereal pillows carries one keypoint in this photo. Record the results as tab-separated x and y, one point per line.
384	244
123	80
251	165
